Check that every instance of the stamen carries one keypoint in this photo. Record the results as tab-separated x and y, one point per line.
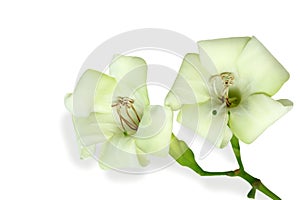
130	117
128	123
124	105
120	116
228	80
136	114
213	81
228	104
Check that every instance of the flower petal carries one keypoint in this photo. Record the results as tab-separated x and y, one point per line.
120	152
154	133
69	102
96	128
86	151
190	86
93	93
131	74
255	114
258	67
199	118
224	52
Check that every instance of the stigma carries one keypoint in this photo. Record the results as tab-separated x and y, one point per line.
127	114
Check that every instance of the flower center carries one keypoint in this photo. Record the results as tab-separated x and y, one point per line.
127	113
226	92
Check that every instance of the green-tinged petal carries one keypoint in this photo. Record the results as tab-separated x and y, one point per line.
226	136
190	86
287	103
93	93
69	102
86	151
259	69
120	152
224	52
131	74
95	128
255	114
155	129
142	157
180	151
199	118
178	148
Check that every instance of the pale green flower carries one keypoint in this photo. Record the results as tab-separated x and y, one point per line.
115	111
234	80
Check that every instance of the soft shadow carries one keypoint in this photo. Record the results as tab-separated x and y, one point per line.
69	138
123	177
233	185
227	153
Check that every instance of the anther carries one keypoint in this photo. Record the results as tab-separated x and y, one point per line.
227	78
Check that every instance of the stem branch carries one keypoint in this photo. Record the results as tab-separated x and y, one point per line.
185	157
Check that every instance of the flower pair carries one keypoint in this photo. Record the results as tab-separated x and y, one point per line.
225	89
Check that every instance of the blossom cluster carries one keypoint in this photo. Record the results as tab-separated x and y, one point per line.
230	83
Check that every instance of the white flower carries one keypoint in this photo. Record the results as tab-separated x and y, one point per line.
115	111
230	83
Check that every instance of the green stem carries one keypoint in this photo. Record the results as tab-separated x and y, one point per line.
185	157
254	182
256	185
236	150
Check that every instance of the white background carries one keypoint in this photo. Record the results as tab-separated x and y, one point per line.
42	47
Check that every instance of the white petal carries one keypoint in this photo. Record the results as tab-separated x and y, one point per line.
142	157
199	118
224	52
258	69
256	113
154	133
96	128
190	85
120	152
93	93
131	74
69	102
86	151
